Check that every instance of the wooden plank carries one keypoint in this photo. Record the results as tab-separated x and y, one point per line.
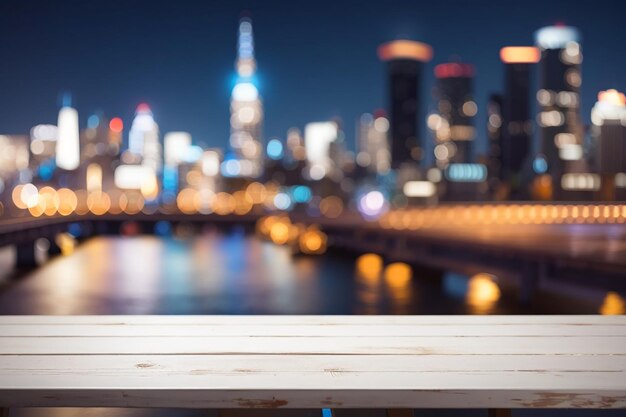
358	381
314	362
176	397
274	330
335	366
314	345
320	381
571	320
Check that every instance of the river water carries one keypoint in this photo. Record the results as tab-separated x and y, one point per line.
237	273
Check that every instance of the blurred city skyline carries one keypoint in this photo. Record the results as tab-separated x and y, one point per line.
315	61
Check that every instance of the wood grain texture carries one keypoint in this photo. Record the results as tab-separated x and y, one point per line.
276	362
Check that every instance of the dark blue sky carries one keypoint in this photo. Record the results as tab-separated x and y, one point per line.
316	60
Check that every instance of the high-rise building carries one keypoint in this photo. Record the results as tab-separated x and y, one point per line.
318	137
246	110
143	138
494	147
295	151
455	131
517	124
98	154
146	149
68	142
559	101
373	143
176	148
609	140
405	60
43	141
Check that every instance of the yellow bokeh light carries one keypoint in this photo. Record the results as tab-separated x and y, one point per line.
223	204
16	197
66	242
613	304
81	207
39	208
51	199
98	203
132	202
369	266
483	294
280	232
256	192
186	201
398	274
150	188
264	225
313	241
67	201
243	202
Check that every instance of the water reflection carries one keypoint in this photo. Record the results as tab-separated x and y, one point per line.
384	290
368	276
483	294
613	304
479	292
238	273
398	281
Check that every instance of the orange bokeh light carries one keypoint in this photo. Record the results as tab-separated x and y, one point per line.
612	96
520	55
405	49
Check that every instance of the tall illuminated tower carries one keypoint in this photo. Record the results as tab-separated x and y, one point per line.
455	130
143	138
559	100
68	143
517	124
246	110
405	60
373	143
494	149
609	140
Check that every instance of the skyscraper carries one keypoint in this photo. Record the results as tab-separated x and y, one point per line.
246	110
517	124
494	150
405	60
143	138
456	109
559	100
68	143
318	137
609	139
373	143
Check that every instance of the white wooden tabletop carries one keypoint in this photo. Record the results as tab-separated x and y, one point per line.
313	361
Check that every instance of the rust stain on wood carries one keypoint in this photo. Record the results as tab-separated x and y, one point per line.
555	399
260	403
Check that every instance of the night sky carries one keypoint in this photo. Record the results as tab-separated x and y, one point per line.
316	60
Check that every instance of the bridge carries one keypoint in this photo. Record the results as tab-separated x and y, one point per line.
531	246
